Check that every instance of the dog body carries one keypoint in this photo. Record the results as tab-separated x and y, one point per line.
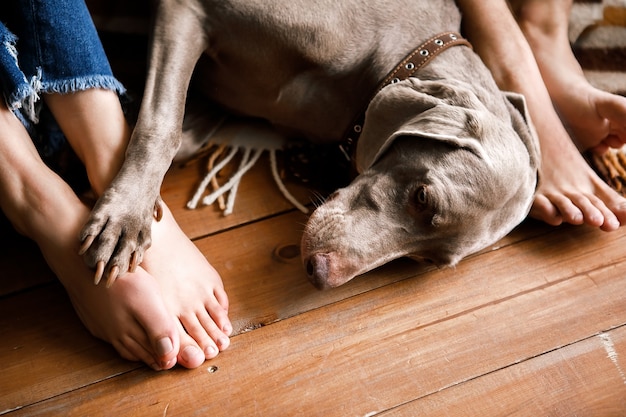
307	66
447	164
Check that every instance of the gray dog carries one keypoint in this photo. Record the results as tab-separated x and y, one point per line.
447	162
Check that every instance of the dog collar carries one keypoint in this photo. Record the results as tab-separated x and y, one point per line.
413	62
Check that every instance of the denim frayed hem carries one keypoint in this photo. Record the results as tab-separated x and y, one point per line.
42	127
26	96
29	96
72	85
21	96
21	90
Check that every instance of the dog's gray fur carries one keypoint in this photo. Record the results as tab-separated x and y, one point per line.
447	164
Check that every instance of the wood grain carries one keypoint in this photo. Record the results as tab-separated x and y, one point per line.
584	378
382	347
378	350
533	325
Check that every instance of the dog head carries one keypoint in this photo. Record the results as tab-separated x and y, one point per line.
441	176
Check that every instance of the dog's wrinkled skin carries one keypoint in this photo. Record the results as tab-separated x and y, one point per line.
447	164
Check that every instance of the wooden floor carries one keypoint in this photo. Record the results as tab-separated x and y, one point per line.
533	326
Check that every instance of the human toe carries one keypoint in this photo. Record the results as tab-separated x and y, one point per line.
619	209
591	208
217	314
542	209
190	355
609	208
611	220
203	329
164	348
134	350
611	223
161	334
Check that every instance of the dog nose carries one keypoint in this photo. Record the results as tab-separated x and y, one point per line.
317	269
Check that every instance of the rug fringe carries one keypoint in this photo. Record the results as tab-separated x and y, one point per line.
249	141
612	168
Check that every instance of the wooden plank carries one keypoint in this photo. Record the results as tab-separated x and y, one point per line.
46	350
585	378
388	346
263	289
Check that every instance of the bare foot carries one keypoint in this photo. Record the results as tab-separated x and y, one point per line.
541	66
192	290
570	191
132	316
594	118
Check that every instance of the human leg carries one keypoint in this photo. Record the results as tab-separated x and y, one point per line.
80	92
192	289
594	118
43	207
569	190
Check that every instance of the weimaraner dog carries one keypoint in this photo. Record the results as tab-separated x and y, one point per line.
447	163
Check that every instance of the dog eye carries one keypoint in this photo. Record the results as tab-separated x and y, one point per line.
420	197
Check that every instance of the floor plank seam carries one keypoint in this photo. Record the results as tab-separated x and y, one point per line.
515	363
244	224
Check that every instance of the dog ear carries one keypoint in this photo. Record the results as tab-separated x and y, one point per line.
404	109
523	126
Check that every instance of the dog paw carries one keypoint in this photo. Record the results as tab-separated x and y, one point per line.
115	237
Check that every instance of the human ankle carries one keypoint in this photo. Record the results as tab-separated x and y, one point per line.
95	126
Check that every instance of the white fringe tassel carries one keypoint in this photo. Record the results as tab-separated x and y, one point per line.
281	185
193	203
251	141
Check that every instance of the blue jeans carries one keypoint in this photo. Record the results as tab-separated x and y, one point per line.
49	46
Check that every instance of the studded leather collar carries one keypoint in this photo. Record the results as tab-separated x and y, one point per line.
414	61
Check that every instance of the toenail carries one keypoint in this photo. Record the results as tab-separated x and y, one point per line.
210	351
169	364
228	329
190	353
222	342
164	346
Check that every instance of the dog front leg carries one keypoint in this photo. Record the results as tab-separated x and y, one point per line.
118	230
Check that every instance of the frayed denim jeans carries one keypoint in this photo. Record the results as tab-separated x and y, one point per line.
49	46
